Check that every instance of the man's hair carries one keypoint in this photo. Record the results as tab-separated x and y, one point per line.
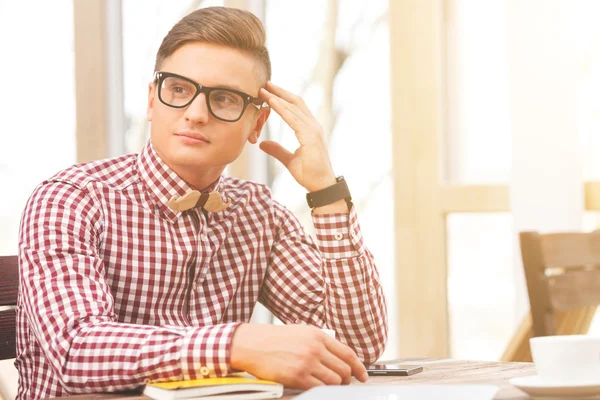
230	27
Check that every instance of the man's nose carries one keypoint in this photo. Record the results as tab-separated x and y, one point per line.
197	111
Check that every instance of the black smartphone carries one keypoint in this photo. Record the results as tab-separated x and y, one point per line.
393	369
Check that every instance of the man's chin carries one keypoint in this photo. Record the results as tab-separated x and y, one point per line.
197	158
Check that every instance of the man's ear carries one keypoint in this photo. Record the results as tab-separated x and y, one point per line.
150	102
261	119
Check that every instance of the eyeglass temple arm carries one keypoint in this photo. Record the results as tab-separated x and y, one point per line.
259	106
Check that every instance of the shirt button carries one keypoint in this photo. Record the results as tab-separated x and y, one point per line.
195	286
204	371
339	236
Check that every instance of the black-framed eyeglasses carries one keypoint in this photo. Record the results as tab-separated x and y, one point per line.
225	104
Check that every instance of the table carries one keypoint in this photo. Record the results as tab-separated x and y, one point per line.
435	371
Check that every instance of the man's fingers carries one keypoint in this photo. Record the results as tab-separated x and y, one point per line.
276	150
285	111
305	126
281	92
290	113
349	356
289	97
310	382
327	376
339	366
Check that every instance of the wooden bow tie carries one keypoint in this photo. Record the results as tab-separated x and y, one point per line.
211	202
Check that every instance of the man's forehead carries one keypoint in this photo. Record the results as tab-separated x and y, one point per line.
214	65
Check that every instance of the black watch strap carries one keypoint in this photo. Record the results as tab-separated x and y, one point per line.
330	194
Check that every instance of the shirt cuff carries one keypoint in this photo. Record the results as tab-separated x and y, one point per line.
206	352
339	235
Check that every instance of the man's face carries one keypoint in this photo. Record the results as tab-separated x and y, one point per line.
175	132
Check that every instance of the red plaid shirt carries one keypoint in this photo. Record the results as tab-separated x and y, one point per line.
117	289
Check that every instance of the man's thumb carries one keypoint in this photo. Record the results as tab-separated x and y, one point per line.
276	150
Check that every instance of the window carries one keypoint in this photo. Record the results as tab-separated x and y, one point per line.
38	104
339	64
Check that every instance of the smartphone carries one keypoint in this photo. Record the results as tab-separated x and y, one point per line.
393	369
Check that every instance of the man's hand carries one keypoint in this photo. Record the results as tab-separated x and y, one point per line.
309	164
298	356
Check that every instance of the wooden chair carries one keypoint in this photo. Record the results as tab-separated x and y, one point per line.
562	271
9	283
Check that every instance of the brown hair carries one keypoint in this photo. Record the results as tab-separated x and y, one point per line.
224	26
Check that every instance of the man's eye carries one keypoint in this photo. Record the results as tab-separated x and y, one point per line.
179	90
226	99
223	99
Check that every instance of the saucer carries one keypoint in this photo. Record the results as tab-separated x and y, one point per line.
539	388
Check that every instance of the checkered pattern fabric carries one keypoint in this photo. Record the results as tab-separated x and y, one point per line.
117	289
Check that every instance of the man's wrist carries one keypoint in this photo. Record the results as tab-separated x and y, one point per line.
237	348
323	183
331	199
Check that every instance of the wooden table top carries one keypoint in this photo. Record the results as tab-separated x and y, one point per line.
435	371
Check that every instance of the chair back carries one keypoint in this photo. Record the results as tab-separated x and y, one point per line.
563	274
9	284
562	271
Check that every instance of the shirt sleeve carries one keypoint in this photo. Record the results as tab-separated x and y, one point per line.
70	308
333	285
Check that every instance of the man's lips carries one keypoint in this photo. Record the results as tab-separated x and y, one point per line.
193	135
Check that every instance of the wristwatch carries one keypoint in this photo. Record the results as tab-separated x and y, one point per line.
330	194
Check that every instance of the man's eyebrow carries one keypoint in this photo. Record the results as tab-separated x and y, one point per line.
233	87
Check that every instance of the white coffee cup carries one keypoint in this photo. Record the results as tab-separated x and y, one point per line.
567	358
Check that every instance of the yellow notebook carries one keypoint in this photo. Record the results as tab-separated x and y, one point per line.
227	388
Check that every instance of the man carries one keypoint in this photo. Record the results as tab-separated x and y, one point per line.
147	267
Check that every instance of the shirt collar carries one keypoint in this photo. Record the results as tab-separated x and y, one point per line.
162	183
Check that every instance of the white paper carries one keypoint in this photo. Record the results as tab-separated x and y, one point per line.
401	392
